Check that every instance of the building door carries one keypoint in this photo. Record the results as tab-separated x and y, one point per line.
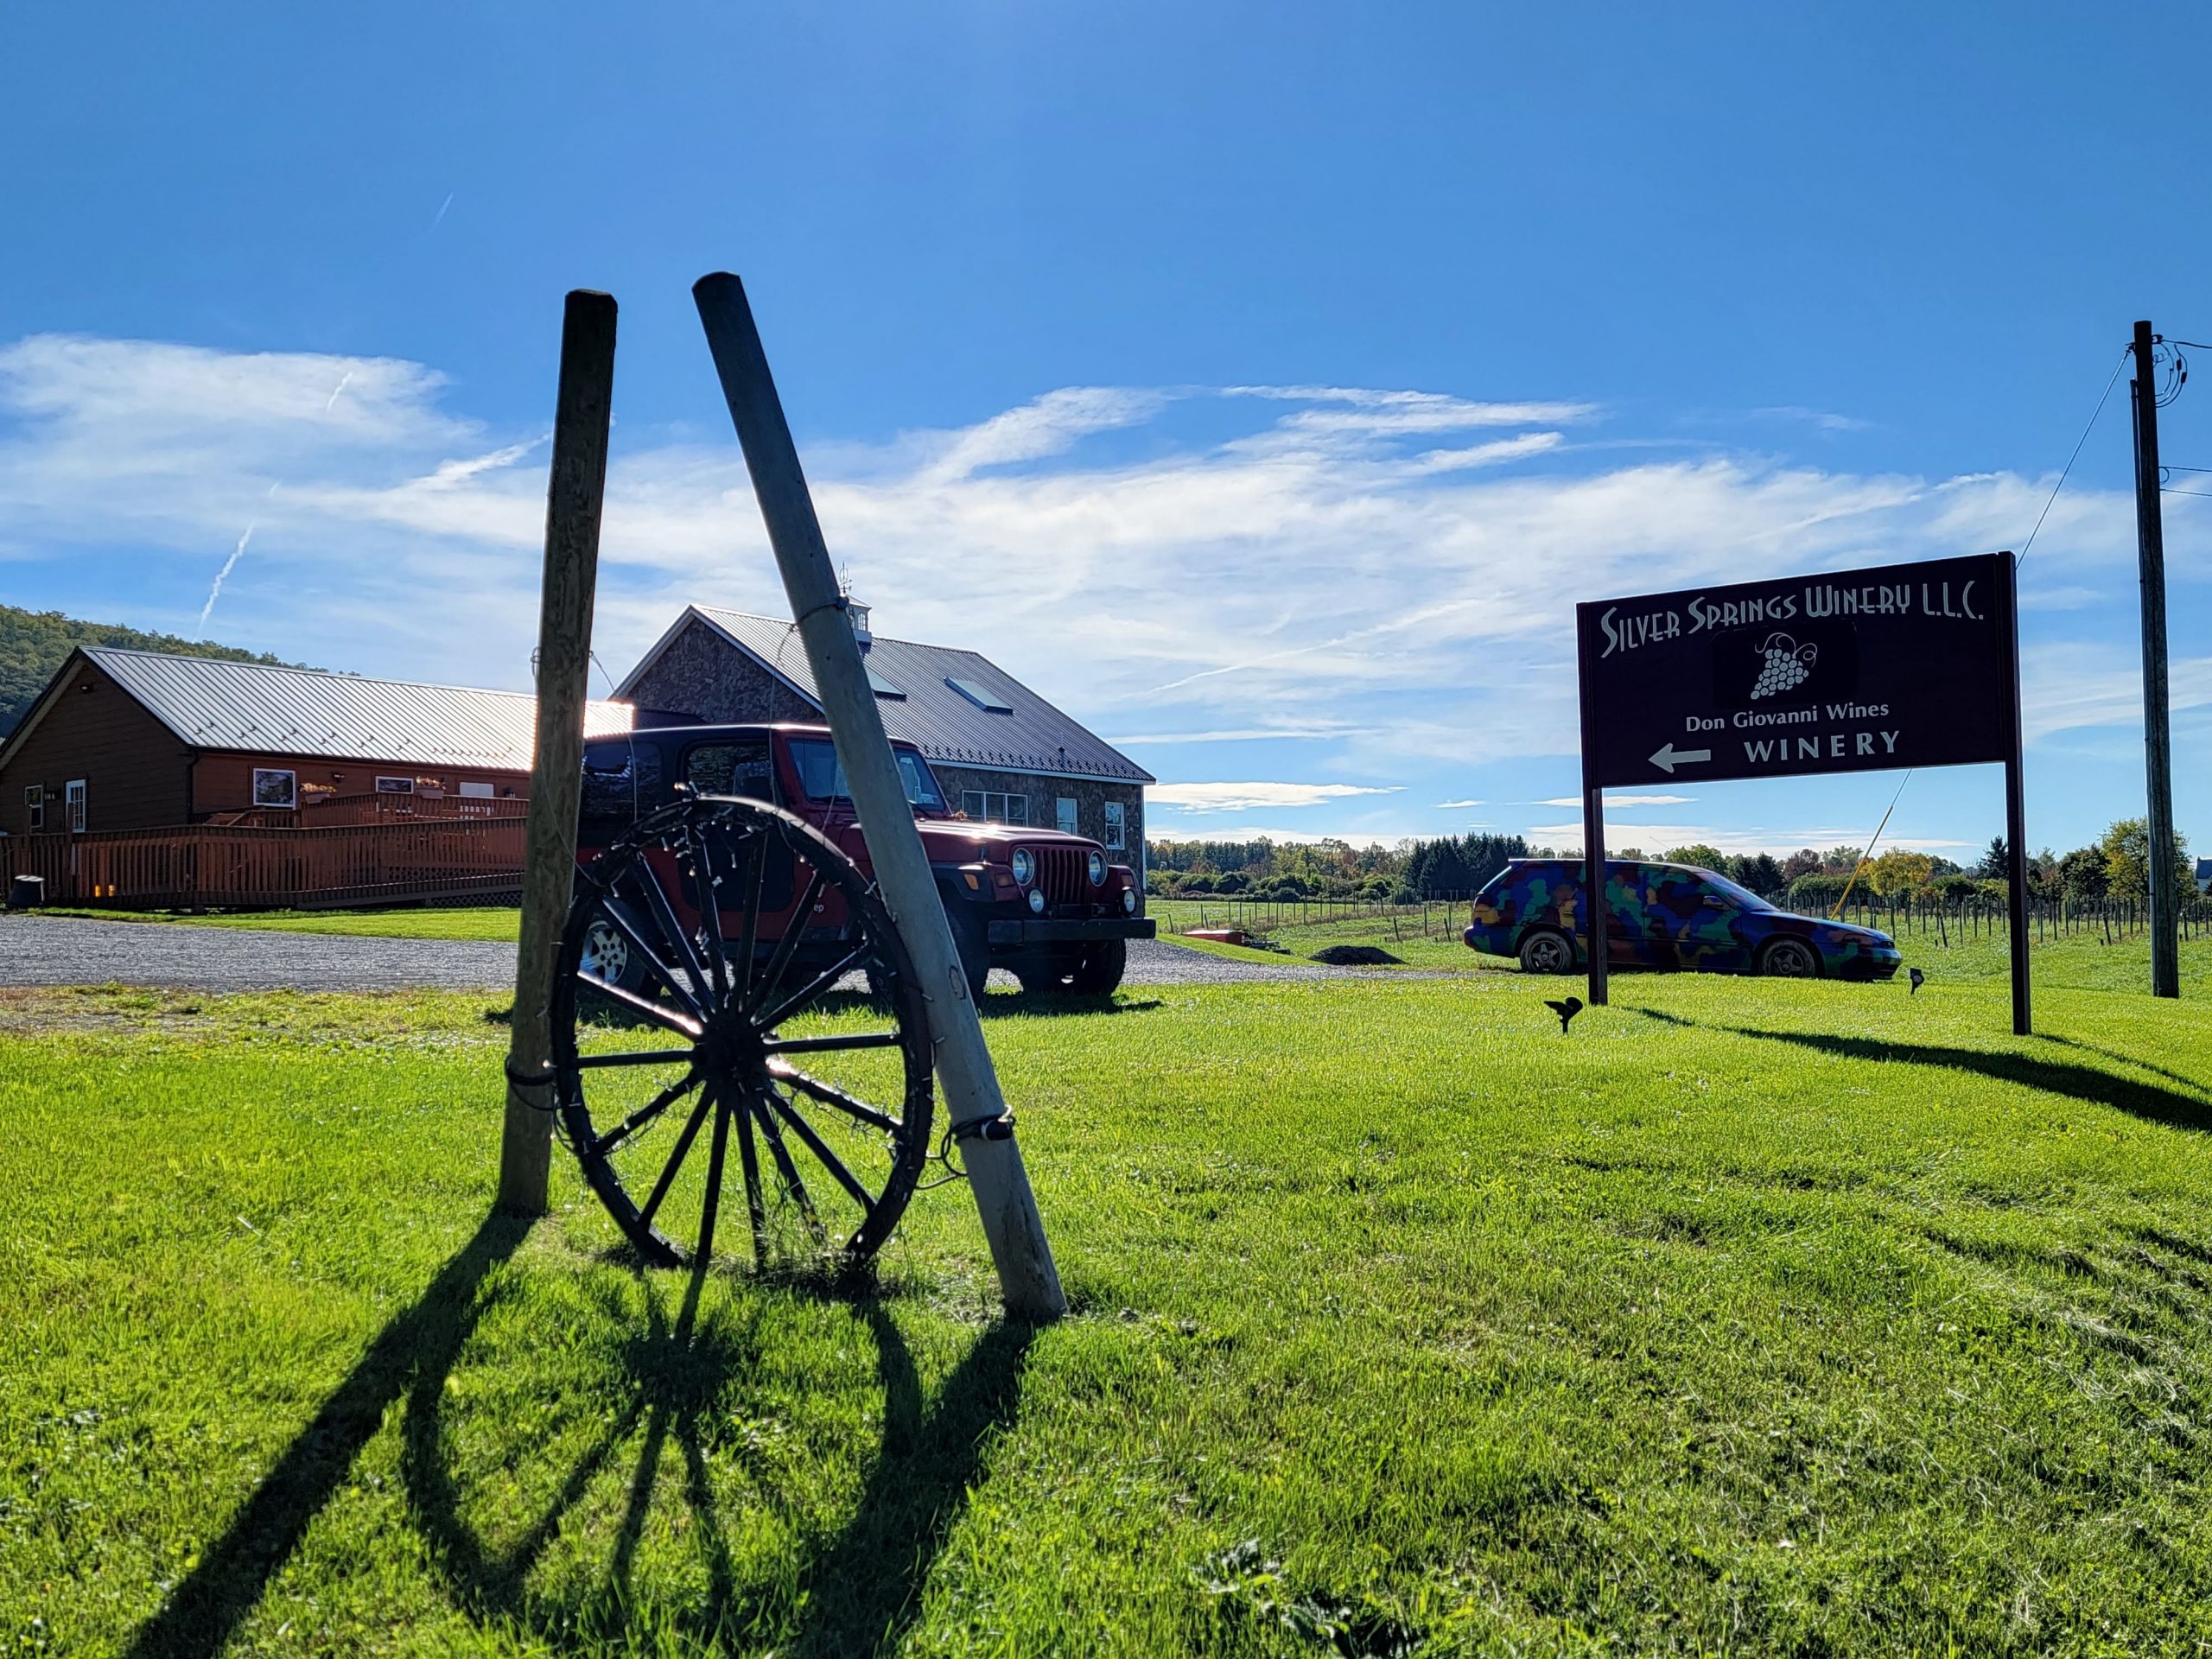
1064	807
73	793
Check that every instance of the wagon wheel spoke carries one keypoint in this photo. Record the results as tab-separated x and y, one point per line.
787	1169
663	915
635	1057
787	947
814	987
830	1095
667	1019
756	876
714	1198
756	1208
832	1044
676	1157
829	1159
601	1145
710	911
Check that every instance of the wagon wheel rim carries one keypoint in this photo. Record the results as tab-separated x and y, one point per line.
781	1048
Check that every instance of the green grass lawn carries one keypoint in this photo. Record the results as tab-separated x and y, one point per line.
1750	1317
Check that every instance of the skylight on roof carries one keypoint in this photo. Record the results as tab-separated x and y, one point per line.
884	687
988	703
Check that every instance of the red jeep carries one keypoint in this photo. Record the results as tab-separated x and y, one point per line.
1046	907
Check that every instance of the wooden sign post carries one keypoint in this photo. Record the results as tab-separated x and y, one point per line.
573	499
1028	1282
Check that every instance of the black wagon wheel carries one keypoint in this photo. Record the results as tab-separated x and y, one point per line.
763	1005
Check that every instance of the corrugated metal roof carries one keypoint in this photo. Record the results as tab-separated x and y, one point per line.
251	706
933	716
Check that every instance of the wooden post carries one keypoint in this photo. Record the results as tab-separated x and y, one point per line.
1596	914
573	500
1028	1282
2157	739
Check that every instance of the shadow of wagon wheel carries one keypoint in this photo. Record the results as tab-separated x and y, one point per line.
852	1589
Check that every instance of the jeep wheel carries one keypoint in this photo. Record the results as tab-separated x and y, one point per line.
973	945
607	955
1547	950
1099	973
1788	959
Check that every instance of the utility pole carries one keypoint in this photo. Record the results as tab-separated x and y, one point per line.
1029	1283
582	410
2158	740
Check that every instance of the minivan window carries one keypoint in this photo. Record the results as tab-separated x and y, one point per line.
823	778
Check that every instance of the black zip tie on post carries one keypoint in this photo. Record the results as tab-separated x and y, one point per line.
986	1127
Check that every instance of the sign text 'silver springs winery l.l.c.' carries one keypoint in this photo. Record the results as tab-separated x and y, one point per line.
1903	665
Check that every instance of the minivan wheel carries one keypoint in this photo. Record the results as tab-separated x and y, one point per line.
1788	959
1545	950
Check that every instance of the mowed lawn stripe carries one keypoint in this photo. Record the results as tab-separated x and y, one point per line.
1747	1316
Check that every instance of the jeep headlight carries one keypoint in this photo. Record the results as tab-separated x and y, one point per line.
1037	900
1097	867
1129	900
1024	864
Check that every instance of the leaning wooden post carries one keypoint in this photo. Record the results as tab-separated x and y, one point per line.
1028	1282
573	500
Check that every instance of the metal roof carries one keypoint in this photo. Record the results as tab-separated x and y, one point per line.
940	721
251	706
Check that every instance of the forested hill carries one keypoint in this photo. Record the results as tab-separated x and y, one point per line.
34	643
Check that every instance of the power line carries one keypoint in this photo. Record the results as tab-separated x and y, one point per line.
2076	456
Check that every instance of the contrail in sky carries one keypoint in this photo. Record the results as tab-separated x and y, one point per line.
442	205
335	390
212	592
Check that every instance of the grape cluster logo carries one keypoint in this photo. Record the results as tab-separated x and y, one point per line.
1784	666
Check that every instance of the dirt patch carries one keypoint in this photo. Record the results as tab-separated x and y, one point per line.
1357	955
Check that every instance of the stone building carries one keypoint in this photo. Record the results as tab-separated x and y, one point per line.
1000	751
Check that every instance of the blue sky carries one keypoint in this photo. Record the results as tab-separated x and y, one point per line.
1262	384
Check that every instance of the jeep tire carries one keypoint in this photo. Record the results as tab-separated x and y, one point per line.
971	941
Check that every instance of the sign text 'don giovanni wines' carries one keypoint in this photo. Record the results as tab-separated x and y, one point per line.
1903	665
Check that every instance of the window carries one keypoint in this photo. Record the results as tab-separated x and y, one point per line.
73	796
395	785
475	791
989	703
992	807
1117	836
884	687
34	807
275	787
823	778
730	769
1064	814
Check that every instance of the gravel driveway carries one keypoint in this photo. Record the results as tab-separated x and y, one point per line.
67	950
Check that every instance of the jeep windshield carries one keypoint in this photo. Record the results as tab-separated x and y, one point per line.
823	778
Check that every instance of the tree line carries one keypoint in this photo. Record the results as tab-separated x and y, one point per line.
2116	866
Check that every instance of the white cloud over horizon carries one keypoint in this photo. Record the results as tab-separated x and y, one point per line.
1327	577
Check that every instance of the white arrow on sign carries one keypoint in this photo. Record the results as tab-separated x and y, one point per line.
1669	756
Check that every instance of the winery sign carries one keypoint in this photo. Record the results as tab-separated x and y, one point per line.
1905	665
1851	671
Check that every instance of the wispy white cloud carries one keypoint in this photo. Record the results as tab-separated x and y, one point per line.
1326	575
1657	838
1242	797
1451	806
1612	799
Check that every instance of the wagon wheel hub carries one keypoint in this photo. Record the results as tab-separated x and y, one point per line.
731	1049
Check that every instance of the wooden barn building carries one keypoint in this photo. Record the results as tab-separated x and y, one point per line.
1000	751
131	740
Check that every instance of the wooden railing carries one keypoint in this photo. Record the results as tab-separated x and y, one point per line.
247	867
375	808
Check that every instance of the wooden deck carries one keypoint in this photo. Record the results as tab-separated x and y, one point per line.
228	866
